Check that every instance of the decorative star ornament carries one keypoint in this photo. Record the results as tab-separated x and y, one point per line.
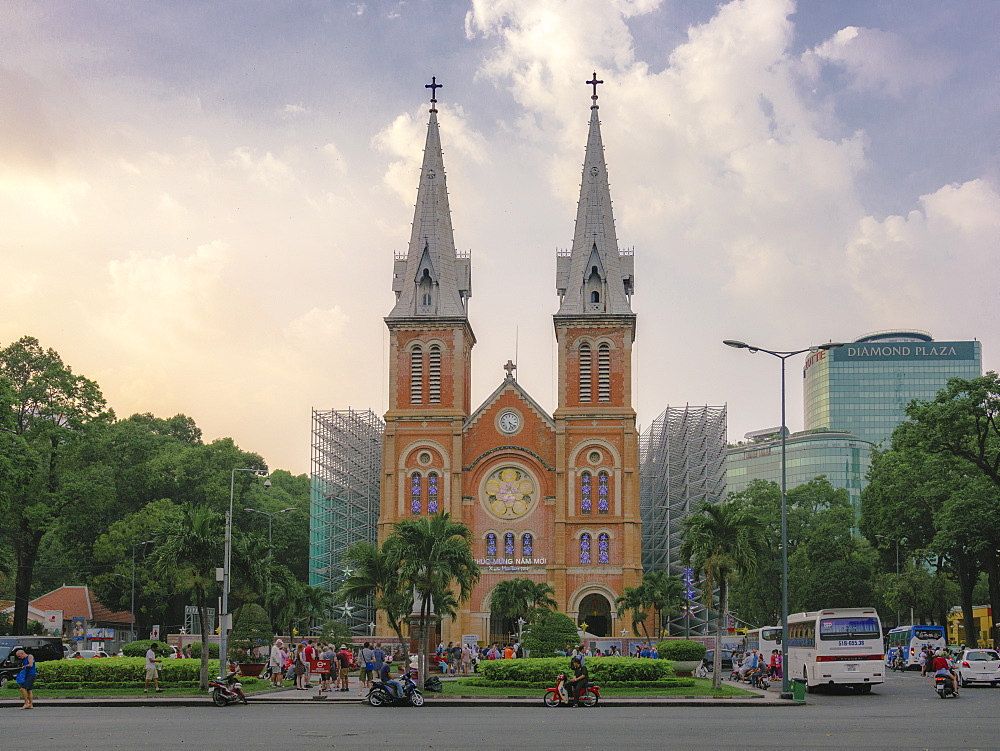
346	609
348	572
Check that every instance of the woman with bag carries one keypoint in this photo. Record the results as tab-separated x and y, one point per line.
26	678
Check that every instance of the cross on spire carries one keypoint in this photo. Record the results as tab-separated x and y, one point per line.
510	367
593	82
434	86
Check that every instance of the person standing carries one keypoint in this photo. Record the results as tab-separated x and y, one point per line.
276	662
368	668
152	673
26	678
466	659
344	667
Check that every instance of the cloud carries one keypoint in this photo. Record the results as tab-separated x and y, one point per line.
290	111
318	326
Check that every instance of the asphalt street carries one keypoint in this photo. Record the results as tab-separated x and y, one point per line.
904	713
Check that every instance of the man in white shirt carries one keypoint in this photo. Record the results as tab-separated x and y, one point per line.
151	672
276	662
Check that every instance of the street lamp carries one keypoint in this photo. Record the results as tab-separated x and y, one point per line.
895	540
521	623
134	546
270	515
783	355
226	562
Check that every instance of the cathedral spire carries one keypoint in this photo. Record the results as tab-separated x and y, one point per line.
594	277
432	279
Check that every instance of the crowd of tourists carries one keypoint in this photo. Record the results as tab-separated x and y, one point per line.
296	663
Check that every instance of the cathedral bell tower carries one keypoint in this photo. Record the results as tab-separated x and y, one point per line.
430	350
597	445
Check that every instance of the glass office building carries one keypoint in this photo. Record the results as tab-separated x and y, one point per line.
842	457
863	387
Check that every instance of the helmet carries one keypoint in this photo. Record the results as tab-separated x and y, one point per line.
576	658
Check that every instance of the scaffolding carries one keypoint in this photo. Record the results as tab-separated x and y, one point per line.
682	458
344	505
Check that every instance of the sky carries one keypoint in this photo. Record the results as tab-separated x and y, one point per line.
200	201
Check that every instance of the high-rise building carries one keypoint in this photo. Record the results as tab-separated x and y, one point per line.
863	387
552	498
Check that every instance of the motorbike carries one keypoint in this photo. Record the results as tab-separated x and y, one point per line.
898	663
383	695
943	687
760	679
559	696
227	691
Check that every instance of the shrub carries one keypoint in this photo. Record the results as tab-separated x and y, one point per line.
680	650
665	683
549	632
601	670
111	670
213	650
253	629
139	648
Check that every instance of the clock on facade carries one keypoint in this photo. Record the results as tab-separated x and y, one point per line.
509	422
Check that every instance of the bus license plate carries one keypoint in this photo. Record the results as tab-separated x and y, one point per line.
851	667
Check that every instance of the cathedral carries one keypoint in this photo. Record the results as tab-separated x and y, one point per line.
551	498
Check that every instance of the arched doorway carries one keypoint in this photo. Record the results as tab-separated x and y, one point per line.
595	611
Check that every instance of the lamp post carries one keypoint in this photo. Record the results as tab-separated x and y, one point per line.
270	516
134	546
895	540
226	562
783	355
521	623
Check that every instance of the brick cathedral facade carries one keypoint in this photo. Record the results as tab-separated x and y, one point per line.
552	498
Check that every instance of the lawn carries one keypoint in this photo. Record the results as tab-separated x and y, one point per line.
702	687
11	692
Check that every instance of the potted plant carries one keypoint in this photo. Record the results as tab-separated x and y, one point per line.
252	631
686	654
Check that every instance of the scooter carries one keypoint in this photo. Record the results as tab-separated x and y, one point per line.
559	696
383	695
229	691
943	687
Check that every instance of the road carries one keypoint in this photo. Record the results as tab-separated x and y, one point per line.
903	713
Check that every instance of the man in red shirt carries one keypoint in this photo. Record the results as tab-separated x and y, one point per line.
344	659
309	658
942	667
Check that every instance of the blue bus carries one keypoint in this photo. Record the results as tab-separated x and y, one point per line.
910	640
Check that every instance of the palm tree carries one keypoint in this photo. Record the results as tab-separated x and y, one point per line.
434	553
190	550
513	599
376	575
721	541
634	601
663	592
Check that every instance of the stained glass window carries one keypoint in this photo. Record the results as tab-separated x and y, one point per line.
491	544
416	492
585	489
602	493
508	544
526	546
603	548
432	493
585	548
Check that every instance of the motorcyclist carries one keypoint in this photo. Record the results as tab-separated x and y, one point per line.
578	682
385	677
942	667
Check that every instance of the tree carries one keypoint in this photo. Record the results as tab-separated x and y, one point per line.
434	554
252	631
633	601
375	574
551	631
720	540
664	593
49	413
514	599
187	557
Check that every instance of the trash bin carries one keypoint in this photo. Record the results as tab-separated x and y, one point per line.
798	689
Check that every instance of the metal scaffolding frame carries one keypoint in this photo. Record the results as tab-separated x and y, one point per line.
682	458
344	504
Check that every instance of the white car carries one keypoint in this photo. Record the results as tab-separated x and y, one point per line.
978	666
87	654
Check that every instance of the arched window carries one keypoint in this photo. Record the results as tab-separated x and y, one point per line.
416	375
416	494
508	544
603	548
604	373
432	493
585	362
595	296
602	492
491	545
585	547
526	546
585	493
434	375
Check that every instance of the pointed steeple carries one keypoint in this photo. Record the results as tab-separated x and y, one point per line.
594	277
432	279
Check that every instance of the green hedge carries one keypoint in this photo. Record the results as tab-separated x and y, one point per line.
213	650
118	670
680	649
601	669
140	647
665	683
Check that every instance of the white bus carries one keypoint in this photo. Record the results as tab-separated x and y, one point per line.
836	646
764	639
909	640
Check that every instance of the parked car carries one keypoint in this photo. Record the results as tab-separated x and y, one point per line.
709	659
87	654
44	648
978	666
